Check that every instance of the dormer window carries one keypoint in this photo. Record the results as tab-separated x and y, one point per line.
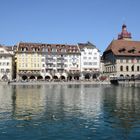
54	50
33	49
132	50
22	49
122	50
25	49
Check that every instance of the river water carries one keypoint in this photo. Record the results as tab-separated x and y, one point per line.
69	112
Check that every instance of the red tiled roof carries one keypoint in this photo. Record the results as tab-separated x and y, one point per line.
40	46
124	48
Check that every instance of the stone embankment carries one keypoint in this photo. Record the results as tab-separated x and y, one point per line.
60	83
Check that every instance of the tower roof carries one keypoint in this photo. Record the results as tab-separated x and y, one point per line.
124	34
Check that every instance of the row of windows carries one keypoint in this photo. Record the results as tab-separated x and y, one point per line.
26	55
94	58
60	61
32	59
4	70
110	69
4	57
26	65
90	63
54	50
73	65
129	68
123	68
52	70
90	53
49	50
54	65
4	63
129	60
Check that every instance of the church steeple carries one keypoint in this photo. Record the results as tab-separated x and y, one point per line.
124	34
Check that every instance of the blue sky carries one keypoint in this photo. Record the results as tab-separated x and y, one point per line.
67	21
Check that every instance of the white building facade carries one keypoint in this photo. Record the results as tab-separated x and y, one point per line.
90	60
6	64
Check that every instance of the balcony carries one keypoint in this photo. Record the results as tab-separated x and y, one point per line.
60	62
49	68
49	62
60	58
49	58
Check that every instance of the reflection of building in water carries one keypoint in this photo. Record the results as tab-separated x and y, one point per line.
28	100
124	106
5	101
128	101
74	100
91	100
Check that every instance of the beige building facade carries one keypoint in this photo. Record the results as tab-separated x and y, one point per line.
122	57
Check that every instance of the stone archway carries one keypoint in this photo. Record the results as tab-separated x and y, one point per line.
87	76
24	77
47	77
94	76
76	76
55	77
32	77
62	77
4	78
69	77
127	77
39	77
132	76
121	75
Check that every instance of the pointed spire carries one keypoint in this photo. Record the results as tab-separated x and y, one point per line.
124	34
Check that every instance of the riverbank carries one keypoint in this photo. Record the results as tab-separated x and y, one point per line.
61	83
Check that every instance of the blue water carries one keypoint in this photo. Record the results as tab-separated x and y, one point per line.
69	112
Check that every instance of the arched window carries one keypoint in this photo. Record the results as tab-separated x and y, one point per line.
121	76
106	69
127	68
121	68
132	68
114	68
138	68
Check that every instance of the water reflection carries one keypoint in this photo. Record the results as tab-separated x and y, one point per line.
27	101
106	111
61	101
5	102
73	100
122	107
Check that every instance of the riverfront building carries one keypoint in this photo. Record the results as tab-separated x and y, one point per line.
28	61
122	56
6	63
90	60
37	61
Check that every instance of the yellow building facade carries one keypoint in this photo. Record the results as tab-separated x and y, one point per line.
28	61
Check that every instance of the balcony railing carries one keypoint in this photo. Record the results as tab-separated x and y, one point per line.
29	72
49	62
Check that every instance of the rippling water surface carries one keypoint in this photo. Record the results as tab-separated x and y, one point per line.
69	112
